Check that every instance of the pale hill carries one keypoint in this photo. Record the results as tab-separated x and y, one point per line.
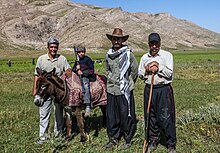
29	23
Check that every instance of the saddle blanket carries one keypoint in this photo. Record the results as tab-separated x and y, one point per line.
97	91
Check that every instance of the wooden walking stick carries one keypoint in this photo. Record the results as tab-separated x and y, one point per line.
148	110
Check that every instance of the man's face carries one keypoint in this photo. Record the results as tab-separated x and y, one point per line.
81	54
117	42
154	47
52	49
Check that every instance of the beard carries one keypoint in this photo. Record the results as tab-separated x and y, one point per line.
117	46
154	51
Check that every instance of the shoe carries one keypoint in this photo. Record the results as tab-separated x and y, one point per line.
151	147
40	142
88	112
110	144
59	135
171	150
126	146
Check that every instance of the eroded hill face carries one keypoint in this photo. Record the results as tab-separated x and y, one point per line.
29	23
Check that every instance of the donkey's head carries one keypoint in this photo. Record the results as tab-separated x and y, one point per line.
46	84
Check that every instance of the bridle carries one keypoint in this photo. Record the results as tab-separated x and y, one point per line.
53	81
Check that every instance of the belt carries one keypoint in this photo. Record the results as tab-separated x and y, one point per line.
158	85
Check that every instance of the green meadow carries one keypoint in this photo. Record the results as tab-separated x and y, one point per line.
197	98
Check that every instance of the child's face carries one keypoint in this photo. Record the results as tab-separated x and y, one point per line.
81	54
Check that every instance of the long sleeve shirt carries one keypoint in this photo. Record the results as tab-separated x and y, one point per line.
113	74
165	72
86	66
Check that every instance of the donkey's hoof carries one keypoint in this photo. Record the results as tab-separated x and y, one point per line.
68	139
83	139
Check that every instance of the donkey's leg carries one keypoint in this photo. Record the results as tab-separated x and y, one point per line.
103	108
69	122
80	124
68	125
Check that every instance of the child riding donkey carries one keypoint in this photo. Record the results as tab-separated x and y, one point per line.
84	68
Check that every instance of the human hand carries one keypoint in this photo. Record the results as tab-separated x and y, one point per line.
79	72
152	67
67	73
78	67
34	92
145	77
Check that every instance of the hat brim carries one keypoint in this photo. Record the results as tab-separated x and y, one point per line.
154	39
124	38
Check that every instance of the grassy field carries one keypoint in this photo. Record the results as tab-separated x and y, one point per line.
196	89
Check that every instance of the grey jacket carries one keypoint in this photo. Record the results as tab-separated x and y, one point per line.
112	68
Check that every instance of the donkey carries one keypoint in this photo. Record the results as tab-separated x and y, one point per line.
68	91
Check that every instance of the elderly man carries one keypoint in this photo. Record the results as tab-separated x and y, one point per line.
162	108
122	72
48	62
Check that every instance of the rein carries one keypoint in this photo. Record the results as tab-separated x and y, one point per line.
65	91
57	83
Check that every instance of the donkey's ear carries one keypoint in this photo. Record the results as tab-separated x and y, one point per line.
39	71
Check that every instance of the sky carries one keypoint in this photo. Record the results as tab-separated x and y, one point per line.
204	13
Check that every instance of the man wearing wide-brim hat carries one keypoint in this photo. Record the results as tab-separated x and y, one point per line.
122	72
119	34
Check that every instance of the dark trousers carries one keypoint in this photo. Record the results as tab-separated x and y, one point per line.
118	122
162	114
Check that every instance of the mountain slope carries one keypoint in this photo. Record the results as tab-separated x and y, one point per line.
29	23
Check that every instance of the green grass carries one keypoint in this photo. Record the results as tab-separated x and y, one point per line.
196	90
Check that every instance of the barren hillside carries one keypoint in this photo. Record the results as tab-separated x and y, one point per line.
27	24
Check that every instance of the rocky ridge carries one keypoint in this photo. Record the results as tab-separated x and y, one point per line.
27	24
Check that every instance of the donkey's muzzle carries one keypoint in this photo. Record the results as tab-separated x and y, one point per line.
38	101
